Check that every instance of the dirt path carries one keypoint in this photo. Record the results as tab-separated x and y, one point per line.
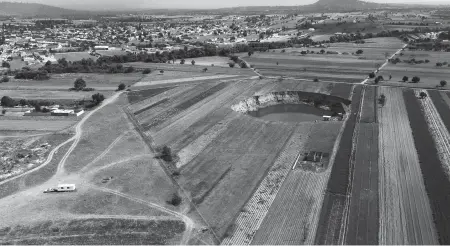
385	63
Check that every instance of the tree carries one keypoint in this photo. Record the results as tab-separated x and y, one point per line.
427	61
98	98
423	95
380	78
415	79
303	52
121	87
382	100
405	78
322	51
372	75
147	71
231	64
37	108
5	64
7	101
23	102
359	52
193	62
129	70
175	200
443	83
316	80
376	80
250	53
79	84
48	63
182	61
205	69
4	79
438	64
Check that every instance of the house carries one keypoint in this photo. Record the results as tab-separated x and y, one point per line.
101	47
66	112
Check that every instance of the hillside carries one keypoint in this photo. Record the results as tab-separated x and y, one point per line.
35	10
344	5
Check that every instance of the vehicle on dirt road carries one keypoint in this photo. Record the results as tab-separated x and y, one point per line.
61	188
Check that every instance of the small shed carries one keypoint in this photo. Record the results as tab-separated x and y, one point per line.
326	118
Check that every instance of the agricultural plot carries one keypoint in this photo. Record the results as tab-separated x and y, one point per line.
436	180
300	195
430	75
196	70
341	90
35	125
94	231
405	213
218	148
332	213
106	82
52	95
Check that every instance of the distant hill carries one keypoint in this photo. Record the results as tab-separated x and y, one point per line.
35	10
343	5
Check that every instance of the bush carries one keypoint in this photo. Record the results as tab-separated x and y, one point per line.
427	61
121	87
193	62
303	52
243	65
415	79
231	64
161	71
98	98
423	95
175	200
438	64
4	79
79	84
7	101
182	61
164	153
405	78
443	83
45	110
5	64
129	70
316	80
147	71
4	111
23	102
372	75
445	63
359	52
88	89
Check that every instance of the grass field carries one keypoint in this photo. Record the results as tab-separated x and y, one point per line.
94	231
35	125
107	82
342	67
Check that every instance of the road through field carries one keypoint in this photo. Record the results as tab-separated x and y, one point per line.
385	63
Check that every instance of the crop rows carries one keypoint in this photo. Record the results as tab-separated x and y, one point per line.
441	107
203	124
152	105
369	109
137	96
182	106
153	99
363	207
176	96
405	214
292	218
254	212
338	183
436	180
174	127
438	130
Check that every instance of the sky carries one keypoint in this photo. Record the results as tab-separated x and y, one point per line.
154	4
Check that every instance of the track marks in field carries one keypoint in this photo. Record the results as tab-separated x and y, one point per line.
256	209
405	213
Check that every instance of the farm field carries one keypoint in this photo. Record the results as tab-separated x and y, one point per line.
218	147
74	56
405	213
51	95
430	75
342	67
434	174
107	82
332	213
35	125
